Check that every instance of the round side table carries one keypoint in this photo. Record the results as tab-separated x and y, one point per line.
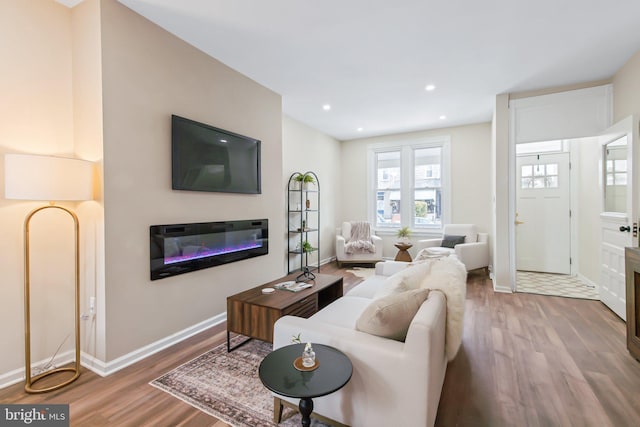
278	374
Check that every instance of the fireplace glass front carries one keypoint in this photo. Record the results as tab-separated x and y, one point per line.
181	248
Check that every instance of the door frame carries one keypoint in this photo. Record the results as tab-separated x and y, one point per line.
635	126
628	126
590	110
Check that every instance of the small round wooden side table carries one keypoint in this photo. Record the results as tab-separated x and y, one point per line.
403	255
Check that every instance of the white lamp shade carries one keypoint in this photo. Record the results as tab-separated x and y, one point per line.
30	177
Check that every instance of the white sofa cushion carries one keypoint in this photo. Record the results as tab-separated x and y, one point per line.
407	279
343	312
368	288
469	231
390	317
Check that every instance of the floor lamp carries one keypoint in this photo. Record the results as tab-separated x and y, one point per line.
53	179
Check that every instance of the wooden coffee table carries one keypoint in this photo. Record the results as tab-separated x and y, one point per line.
253	314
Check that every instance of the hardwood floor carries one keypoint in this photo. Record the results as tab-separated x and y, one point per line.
525	360
539	361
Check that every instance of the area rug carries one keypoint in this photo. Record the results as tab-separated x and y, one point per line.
227	386
560	285
362	272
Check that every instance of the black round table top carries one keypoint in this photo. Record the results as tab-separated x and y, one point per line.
278	374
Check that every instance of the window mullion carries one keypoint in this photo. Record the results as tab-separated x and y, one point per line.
407	193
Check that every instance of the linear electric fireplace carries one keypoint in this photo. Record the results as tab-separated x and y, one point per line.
181	248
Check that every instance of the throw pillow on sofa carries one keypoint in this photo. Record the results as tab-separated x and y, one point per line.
451	241
390	317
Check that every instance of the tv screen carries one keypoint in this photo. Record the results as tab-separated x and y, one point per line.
205	158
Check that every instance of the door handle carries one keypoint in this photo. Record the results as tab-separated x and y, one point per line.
519	222
625	228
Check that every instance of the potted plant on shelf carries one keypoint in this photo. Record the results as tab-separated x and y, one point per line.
306	247
304	180
404	235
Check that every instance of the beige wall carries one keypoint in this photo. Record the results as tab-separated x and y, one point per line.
149	74
87	132
500	195
626	89
99	82
306	149
36	117
470	175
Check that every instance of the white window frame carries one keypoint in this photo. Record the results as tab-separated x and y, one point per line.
407	171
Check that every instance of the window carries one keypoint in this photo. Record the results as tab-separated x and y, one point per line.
539	176
388	188
408	185
427	184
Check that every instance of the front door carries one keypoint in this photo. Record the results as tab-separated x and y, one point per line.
543	217
619	209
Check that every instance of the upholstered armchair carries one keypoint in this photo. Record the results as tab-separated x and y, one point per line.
343	236
463	240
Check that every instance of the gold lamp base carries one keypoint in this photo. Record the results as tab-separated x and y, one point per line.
28	387
75	369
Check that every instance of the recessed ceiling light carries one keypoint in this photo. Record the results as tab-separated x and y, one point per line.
326	107
360	129
429	87
442	117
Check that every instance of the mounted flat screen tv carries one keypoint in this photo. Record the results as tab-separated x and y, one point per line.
205	158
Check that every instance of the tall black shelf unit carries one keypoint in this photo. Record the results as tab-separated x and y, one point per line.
303	221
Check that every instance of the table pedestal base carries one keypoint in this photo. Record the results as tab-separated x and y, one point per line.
306	408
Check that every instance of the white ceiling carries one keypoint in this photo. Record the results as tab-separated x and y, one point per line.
371	59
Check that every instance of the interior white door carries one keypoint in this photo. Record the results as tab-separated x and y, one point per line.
543	217
618	220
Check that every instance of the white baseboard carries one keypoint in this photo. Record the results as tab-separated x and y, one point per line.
498	288
103	369
502	289
106	368
18	375
587	281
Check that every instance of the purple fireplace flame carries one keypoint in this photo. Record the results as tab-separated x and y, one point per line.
205	252
187	248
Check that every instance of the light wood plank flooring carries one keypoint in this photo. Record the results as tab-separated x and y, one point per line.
526	360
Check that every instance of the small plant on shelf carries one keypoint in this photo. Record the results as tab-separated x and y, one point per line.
404	234
306	247
305	178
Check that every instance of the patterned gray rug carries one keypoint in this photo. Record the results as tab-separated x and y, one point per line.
227	386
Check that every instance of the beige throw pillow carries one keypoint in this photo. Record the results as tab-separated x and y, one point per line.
390	316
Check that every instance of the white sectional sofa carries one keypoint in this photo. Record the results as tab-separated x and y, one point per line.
394	383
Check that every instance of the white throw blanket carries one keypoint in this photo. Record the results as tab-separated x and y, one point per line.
360	240
449	276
